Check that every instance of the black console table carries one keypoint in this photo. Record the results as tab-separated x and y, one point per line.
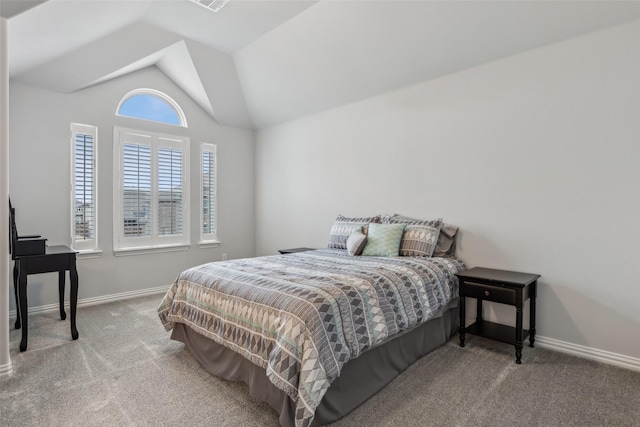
506	287
55	258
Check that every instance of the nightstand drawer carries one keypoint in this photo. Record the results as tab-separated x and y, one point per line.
294	250
489	293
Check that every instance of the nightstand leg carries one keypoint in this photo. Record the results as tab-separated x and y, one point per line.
518	334
462	320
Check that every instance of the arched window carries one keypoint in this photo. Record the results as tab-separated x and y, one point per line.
149	104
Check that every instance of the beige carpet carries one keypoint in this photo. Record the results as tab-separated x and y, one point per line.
125	371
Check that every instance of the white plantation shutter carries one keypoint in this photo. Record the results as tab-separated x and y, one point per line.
84	223
136	194
208	193
152	190
169	191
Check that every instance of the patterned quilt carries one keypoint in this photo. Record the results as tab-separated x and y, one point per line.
302	316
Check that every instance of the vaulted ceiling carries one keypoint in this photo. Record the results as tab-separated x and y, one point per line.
261	62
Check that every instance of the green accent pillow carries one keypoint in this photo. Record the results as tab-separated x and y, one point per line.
383	240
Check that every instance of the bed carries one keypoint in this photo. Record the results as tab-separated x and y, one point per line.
314	334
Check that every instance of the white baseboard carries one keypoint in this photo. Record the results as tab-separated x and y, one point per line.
603	356
6	370
590	353
96	300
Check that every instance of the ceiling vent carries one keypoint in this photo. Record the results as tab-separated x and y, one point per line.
214	5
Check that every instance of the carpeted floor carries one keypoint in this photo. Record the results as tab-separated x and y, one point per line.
125	371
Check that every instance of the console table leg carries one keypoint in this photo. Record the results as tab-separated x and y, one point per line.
15	293
462	320
22	290
73	276
61	273
532	313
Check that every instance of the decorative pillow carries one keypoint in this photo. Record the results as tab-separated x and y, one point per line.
344	226
446	241
383	240
356	242
419	240
399	219
446	244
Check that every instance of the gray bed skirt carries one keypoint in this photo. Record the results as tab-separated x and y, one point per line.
360	378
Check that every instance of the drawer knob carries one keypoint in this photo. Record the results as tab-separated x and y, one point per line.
487	293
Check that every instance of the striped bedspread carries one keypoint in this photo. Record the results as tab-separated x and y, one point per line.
302	316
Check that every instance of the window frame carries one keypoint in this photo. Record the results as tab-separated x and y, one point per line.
157	94
208	238
84	246
155	242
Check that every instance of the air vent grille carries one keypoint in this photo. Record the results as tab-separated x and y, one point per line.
214	5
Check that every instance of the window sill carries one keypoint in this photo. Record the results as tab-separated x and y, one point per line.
150	250
87	254
210	244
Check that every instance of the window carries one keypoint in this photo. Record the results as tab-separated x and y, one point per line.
151	190
208	187
84	226
149	104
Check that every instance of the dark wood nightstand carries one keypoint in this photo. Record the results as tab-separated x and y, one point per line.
294	250
506	287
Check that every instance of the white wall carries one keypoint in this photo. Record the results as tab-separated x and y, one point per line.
40	183
536	157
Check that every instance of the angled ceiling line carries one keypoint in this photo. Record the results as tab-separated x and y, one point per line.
176	63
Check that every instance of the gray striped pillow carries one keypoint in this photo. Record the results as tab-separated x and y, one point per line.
344	226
